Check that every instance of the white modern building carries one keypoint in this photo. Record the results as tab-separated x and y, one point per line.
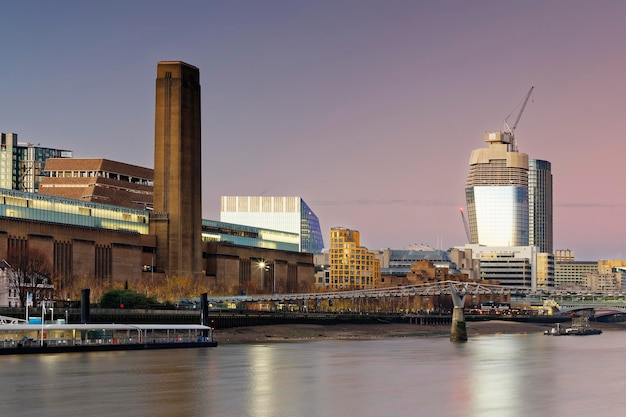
289	214
518	266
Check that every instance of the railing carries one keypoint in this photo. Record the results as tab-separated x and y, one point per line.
427	289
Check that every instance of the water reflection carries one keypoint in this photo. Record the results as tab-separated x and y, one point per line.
502	375
509	375
496	378
262	381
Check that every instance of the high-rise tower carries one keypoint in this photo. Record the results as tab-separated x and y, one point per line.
177	217
497	193
540	205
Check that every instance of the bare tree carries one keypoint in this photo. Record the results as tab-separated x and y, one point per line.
31	272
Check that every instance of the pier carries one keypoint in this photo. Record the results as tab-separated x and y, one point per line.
61	338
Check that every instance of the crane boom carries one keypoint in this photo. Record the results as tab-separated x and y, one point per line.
519	115
522	109
510	131
467	231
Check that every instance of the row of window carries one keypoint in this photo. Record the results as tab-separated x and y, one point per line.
55	210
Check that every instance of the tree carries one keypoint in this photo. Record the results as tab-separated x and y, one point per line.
30	272
126	299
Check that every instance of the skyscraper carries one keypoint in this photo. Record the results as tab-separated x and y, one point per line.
540	205
177	217
509	204
497	193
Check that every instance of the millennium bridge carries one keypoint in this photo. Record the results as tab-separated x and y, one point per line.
560	300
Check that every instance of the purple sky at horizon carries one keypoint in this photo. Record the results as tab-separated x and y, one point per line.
368	110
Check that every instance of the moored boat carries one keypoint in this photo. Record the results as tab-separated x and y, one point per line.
62	338
580	327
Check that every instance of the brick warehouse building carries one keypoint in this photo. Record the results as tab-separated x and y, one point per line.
120	243
100	181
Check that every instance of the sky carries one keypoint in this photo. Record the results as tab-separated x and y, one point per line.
366	109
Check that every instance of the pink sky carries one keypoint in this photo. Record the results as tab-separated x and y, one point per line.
366	109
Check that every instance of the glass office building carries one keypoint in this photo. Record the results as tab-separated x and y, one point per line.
497	193
509	207
288	214
37	207
22	164
399	261
540	205
65	211
237	234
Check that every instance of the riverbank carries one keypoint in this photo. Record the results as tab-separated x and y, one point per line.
313	332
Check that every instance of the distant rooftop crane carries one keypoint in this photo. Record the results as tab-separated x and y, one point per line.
511	129
467	231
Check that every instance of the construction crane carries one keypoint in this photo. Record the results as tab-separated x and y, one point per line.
511	130
467	231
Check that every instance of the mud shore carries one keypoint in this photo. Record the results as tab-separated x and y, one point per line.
314	332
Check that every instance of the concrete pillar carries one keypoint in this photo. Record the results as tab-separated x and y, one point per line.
458	332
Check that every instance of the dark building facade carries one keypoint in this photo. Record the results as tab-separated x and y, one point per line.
99	181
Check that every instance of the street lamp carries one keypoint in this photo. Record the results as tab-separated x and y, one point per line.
265	266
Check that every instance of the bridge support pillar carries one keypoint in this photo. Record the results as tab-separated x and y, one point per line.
458	332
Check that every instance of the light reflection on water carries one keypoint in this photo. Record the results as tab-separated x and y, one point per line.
499	375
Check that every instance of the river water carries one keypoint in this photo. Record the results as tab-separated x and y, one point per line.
494	375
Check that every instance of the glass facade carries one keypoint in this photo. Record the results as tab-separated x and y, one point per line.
37	207
240	235
509	205
497	193
22	164
30	206
401	260
501	215
289	214
509	197
311	233
540	205
281	223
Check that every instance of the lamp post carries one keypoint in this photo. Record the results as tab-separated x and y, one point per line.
43	318
265	266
